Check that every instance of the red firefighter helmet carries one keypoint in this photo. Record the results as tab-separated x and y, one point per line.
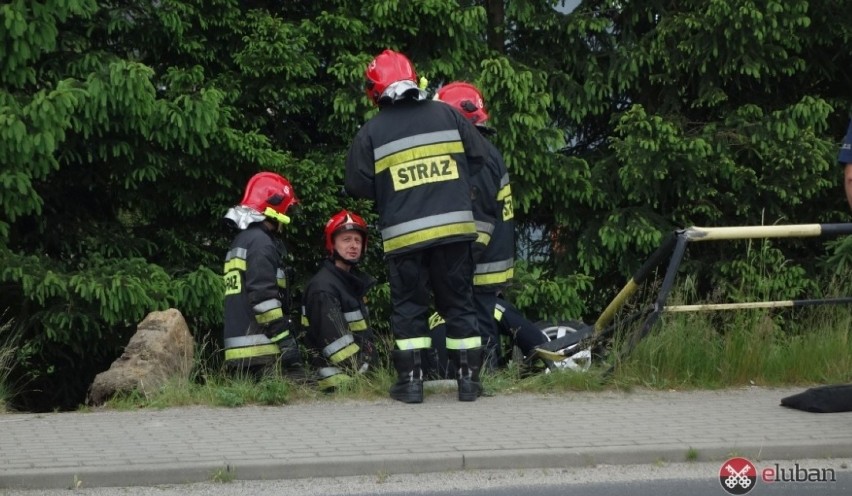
344	221
465	98
271	195
387	68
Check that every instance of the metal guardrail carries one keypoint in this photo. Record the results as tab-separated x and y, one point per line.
673	248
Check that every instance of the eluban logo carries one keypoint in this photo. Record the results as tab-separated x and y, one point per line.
796	473
737	476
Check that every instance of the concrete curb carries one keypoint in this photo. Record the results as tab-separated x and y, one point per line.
187	472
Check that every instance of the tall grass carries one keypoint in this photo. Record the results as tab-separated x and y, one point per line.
684	350
8	350
742	347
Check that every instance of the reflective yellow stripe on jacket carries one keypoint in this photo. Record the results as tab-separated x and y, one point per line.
494	272
505	195
417	160
427	228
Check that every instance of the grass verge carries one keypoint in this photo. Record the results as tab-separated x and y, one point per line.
695	350
8	350
699	350
685	351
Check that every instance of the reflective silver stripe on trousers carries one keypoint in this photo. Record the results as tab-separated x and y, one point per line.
326	372
416	140
498	266
337	345
250	340
279	274
353	316
427	222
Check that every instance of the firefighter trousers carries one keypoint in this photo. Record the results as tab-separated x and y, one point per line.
446	270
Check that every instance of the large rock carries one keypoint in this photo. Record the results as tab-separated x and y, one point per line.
161	349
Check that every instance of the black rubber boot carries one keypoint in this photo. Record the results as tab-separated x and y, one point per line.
431	366
290	361
409	383
290	355
467	364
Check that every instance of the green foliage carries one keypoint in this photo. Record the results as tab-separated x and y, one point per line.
763	274
546	296
838	259
684	118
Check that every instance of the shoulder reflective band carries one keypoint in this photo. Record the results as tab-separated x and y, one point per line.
235	259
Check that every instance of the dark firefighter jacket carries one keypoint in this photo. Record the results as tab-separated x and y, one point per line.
494	250
415	159
256	297
336	319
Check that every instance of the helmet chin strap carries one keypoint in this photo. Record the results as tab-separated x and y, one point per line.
273	225
351	263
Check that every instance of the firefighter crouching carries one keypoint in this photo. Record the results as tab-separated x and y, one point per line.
334	309
257	333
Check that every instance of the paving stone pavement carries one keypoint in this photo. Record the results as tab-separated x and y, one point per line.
342	438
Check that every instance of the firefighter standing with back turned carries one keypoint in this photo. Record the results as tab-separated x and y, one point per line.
494	250
257	334
415	159
334	309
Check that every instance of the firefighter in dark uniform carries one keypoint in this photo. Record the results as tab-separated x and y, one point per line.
334	309
510	322
415	159
257	331
494	250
